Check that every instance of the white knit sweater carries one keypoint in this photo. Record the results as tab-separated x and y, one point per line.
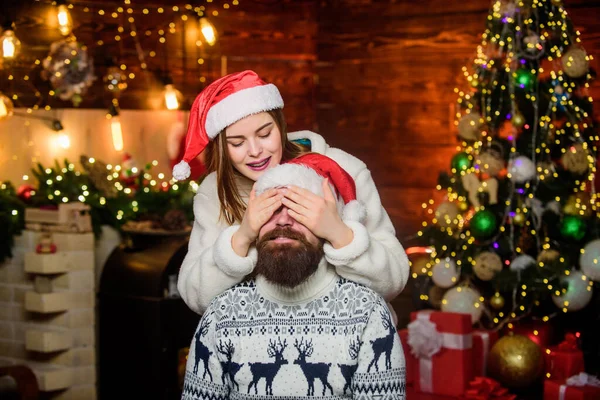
374	258
328	337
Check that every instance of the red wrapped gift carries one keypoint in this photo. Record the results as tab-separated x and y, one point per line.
482	343
442	343
408	356
578	387
564	360
482	388
540	332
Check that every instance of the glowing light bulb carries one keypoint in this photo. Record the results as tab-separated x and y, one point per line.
208	31
6	107
63	140
117	133
10	44
65	23
172	97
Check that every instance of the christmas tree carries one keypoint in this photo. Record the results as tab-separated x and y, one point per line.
516	235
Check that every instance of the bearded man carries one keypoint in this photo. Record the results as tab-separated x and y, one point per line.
296	328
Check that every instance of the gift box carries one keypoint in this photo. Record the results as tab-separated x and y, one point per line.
408	357
482	343
564	360
442	344
540	332
578	387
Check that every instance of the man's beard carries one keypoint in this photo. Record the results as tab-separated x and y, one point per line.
287	264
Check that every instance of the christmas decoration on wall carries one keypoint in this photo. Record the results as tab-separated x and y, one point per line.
519	201
515	361
69	69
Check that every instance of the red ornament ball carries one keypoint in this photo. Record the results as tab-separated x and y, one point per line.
25	192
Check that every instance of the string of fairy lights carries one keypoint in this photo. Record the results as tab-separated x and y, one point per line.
521	40
127	34
126	14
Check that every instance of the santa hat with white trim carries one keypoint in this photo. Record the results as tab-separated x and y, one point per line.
222	103
308	172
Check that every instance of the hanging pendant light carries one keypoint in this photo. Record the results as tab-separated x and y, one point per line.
6	107
115	127
62	139
10	45
208	31
65	22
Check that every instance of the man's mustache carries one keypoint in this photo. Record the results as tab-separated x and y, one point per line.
281	232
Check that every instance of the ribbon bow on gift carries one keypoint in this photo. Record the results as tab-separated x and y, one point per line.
569	344
472	185
482	388
583	379
423	338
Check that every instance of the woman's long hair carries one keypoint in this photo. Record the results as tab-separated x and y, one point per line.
217	159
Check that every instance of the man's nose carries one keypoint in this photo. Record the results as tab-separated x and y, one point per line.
284	218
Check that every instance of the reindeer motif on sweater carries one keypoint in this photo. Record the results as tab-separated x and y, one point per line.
339	340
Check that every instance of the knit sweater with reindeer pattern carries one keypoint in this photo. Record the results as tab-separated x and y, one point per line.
329	338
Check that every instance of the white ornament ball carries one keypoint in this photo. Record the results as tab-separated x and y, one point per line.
589	260
521	169
463	300
444	273
578	292
522	262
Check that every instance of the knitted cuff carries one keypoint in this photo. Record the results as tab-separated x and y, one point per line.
228	260
344	255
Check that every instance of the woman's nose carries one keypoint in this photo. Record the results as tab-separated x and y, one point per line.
254	148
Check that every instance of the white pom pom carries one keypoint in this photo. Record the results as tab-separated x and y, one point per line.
181	171
354	211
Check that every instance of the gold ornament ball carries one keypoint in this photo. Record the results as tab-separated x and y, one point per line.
547	256
575	63
557	3
463	206
515	361
468	126
575	159
419	265
447	214
497	301
579	204
518	120
519	218
487	265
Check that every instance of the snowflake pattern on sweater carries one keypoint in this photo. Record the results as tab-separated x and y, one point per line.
340	344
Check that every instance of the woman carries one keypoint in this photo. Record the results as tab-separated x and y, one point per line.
240	122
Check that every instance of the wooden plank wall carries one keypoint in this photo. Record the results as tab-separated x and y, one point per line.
387	70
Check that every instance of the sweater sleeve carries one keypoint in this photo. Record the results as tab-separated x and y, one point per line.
375	257
380	373
211	265
204	371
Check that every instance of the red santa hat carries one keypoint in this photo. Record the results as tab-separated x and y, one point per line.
308	172
220	104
